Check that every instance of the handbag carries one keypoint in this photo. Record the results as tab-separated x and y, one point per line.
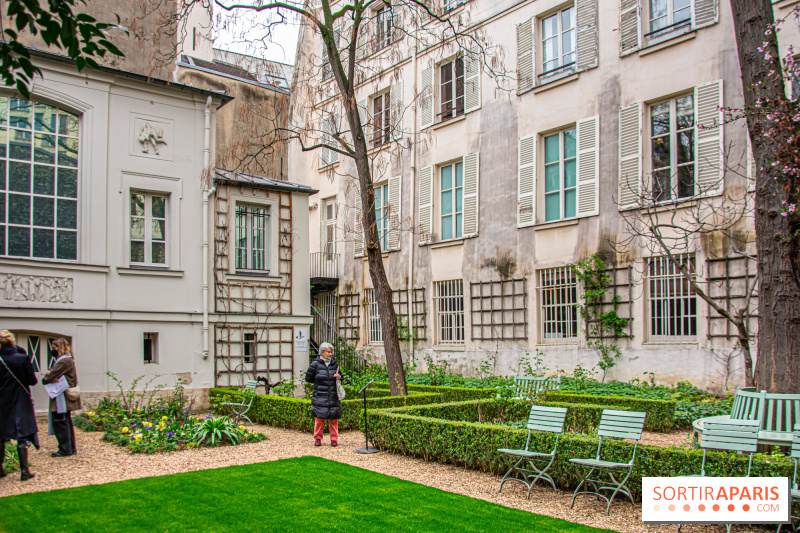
73	394
340	388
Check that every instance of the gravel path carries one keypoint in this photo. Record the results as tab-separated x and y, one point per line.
101	462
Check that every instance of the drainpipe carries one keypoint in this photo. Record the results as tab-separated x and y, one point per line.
413	211
206	194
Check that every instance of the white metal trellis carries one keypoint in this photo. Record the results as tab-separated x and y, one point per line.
373	319
558	312
671	299
449	305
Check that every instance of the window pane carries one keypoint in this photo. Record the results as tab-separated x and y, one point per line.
551	150
19	241
44	118
137	204
43	212
44	180
137	251
20	145
137	228
447	177
550	53
447	202
43	243
569	203
67	214
44	148
3	141
459	174
159	206
68	182
447	227
662	188
68	152
19	209
570	173
660	150
685	111
2	211
686	146
67	123
550	27
568	19
19	177
570	145
3	111
459	199
158	230
20	116
459	226
67	245
686	181
659	116
552	177
551	206
159	253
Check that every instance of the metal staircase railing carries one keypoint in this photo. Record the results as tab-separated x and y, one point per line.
323	331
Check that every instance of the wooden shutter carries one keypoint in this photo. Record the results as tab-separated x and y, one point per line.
630	16
630	155
366	119
333	128
708	146
358	226
706	13
325	153
425	206
364	39
526	181
471	186
393	237
396	109
526	73
587	33
397	22
472	80
426	98
588	166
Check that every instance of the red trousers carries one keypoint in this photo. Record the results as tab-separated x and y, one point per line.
333	428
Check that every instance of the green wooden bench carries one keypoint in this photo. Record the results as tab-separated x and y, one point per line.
729	435
527	466
795	489
238	410
777	414
528	387
618	425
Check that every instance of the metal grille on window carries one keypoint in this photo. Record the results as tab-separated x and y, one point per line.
38	180
349	316
498	310
251	237
558	297
449	305
418	313
373	318
672	301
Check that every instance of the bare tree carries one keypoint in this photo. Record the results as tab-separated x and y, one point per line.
673	230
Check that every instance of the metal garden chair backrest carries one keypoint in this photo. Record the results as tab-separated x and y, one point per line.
621	425
780	412
529	386
730	435
543	418
795	453
747	404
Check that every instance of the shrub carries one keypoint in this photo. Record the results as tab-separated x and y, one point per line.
449	394
660	413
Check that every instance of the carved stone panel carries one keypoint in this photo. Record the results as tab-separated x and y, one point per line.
15	288
151	137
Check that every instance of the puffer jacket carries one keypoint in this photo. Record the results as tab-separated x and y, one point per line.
17	418
324	400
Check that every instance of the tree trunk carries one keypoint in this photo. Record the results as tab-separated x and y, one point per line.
778	358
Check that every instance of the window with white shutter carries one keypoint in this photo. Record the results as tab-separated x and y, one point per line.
559	43
358	227
471	190
395	217
526	181
588	166
472	80
525	56
381	192
587	44
426	98
649	22
396	109
560	190
708	101
630	156
671	134
425	206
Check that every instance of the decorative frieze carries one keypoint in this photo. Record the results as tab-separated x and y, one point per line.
15	288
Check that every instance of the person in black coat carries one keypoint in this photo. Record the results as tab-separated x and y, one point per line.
325	404
17	416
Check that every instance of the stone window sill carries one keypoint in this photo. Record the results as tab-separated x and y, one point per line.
556	224
449	121
253	276
44	263
449	348
142	271
681	38
447	244
556	83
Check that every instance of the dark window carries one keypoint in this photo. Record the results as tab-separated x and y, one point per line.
452	89
381	120
150	347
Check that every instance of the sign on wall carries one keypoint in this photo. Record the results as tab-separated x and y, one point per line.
301	339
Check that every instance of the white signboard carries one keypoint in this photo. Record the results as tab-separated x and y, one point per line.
301	339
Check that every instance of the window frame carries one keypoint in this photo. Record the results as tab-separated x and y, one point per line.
152	337
555	314
458	82
373	317
249	347
384	26
672	30
563	69
147	240
690	297
267	230
447	315
454	213
674	177
328	242
382	218
384	117
562	173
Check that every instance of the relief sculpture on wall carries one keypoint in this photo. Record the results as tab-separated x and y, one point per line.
14	288
148	135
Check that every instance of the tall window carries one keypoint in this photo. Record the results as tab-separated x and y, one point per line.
671	299
252	235
150	348
329	228
449	305
558	315
669	15
383	30
560	177
148	229
452	204
249	346
558	42
382	214
38	180
672	148
451	91
381	120
373	318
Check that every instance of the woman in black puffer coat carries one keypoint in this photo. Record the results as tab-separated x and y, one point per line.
17	417
325	404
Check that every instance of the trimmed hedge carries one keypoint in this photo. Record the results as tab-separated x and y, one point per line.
475	446
449	394
295	413
660	413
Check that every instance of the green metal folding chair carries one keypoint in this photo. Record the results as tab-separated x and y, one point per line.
238	410
529	467
795	490
618	425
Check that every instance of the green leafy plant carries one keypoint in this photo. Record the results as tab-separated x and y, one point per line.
437	372
217	430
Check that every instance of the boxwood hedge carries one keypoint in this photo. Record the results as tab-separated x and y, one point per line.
449	394
474	445
660	413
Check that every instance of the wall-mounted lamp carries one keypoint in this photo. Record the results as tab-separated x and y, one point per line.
313	206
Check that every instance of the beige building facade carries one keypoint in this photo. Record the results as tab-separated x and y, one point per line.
487	186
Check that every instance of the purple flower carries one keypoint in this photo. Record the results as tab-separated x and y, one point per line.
171	434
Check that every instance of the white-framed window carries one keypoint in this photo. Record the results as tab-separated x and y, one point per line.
38	180
252	237
451	196
374	328
451	89
671	300
665	17
559	43
150	348
148	226
329	213
381	119
560	175
558	305
384	28
382	214
449	305
672	149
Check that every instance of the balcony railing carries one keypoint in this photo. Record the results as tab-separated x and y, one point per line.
324	265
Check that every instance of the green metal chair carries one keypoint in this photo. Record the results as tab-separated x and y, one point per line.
729	435
529	467
618	425
238	410
795	489
528	387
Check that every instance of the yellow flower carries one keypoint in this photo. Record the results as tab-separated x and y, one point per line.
138	437
125	430
91	413
164	418
242	428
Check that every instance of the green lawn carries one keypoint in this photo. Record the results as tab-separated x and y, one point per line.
303	494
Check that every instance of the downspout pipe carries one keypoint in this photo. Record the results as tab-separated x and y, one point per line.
413	210
207	192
